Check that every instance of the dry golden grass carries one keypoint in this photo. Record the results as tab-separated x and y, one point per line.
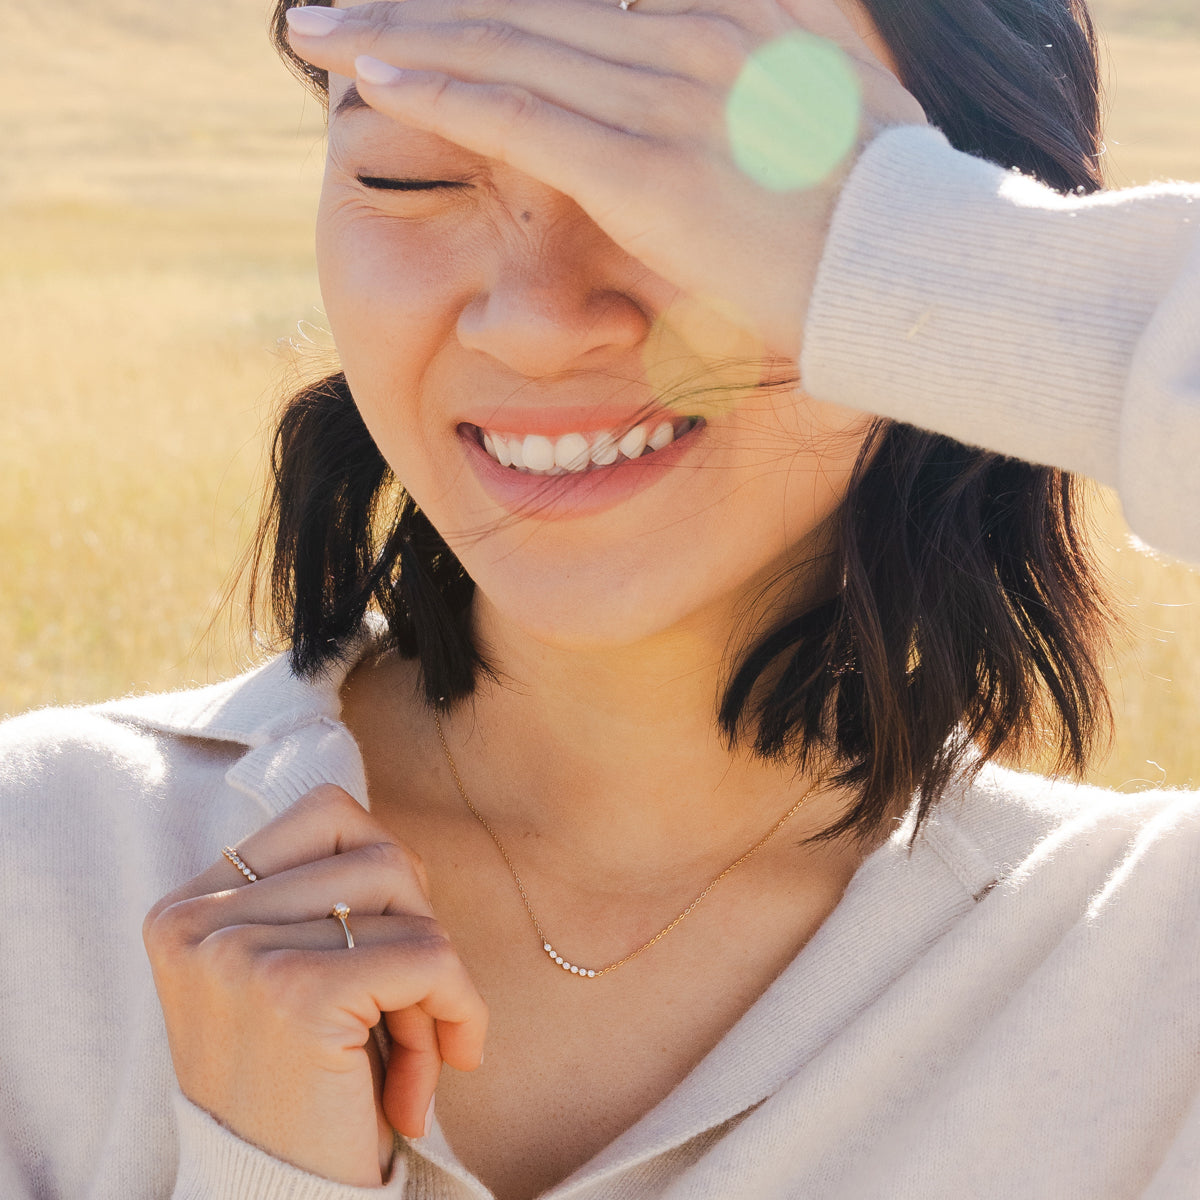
157	176
1153	131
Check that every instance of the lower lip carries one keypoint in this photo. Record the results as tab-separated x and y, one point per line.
551	497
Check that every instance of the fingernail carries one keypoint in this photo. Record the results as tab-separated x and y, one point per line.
371	70
314	22
429	1116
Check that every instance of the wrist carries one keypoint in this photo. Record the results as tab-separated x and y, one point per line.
216	1164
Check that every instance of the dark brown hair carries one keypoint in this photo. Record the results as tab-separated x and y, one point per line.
969	620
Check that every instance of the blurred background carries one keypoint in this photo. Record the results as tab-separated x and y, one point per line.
158	176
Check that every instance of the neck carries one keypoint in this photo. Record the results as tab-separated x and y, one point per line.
614	754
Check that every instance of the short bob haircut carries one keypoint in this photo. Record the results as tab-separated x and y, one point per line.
969	622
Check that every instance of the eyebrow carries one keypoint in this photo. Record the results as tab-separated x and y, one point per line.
350	101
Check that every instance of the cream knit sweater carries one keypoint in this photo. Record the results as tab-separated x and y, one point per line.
1010	1010
975	302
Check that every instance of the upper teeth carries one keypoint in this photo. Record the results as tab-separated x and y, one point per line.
573	452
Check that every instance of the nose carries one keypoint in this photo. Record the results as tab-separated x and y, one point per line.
553	301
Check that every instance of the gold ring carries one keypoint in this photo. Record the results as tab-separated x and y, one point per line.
340	912
239	862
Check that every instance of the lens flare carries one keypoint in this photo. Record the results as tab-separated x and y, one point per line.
700	358
793	114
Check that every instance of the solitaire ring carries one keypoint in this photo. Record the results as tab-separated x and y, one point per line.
341	912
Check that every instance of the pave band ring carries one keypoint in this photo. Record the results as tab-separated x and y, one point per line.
341	912
239	862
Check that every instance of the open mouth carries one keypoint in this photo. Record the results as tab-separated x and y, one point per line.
579	453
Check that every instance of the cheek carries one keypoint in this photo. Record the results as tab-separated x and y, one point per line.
392	294
382	296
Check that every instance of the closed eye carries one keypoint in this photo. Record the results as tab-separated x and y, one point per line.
409	185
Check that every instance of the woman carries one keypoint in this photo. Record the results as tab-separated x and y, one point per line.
666	651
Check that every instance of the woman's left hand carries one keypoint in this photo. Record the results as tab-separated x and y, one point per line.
653	120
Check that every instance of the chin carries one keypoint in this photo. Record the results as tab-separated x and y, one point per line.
596	605
571	615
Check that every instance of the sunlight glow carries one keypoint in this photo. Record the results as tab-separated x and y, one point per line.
700	357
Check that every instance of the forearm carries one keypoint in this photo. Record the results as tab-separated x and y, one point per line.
975	302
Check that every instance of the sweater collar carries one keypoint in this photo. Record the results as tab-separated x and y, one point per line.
251	709
290	726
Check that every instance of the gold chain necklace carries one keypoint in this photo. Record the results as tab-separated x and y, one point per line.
584	972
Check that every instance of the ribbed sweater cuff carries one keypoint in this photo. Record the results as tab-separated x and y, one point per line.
971	300
215	1164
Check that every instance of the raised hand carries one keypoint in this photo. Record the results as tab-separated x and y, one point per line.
646	118
269	1013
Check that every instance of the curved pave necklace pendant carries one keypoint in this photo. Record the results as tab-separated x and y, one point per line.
551	953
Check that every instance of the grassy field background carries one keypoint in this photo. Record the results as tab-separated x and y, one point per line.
158	174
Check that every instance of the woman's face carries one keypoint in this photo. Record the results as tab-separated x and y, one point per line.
499	308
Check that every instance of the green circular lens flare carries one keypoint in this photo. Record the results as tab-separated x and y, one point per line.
793	113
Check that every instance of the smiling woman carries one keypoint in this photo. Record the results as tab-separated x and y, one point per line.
640	714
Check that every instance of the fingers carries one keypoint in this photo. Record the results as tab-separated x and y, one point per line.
414	1068
306	968
325	850
616	95
489	40
380	878
325	822
708	40
670	36
301	977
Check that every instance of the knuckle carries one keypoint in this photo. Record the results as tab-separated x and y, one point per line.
326	814
426	937
515	106
391	857
717	48
169	927
151	932
223	957
371	38
278	984
678	100
374	18
441	91
481	10
328	799
762	18
484	39
694	115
